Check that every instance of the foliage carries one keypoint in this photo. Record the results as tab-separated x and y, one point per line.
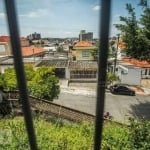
8	79
58	135
55	136
115	137
139	136
42	82
111	77
94	53
136	37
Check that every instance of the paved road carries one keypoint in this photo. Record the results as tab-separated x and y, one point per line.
119	106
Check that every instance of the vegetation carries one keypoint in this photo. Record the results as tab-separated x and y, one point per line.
94	52
111	77
42	82
57	135
135	33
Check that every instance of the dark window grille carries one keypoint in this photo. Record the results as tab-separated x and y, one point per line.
102	65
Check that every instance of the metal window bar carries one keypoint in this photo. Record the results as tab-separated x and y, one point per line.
102	66
18	63
102	63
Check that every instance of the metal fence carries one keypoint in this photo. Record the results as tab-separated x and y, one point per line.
102	63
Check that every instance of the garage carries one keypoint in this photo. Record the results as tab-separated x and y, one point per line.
60	73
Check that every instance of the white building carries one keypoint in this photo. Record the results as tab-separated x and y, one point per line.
133	72
129	74
50	48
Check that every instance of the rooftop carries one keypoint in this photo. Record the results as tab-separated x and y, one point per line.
53	63
4	38
31	50
137	63
83	44
86	65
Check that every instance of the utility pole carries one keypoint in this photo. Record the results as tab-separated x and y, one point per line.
33	55
116	52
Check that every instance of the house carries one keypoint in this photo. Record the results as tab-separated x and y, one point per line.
83	51
32	51
30	54
73	71
50	48
5	45
134	72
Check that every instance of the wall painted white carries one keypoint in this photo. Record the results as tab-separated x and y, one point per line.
129	75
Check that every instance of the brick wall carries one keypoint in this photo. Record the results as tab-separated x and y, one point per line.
52	109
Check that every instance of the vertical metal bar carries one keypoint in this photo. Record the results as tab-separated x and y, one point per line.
116	53
102	66
16	49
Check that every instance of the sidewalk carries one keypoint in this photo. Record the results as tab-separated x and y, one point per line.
141	90
91	90
146	90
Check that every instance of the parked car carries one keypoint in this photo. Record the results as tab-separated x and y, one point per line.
121	89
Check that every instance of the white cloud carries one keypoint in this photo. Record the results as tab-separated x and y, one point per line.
2	15
35	14
96	8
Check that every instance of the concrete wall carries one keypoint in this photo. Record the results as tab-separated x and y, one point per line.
130	75
133	77
7	48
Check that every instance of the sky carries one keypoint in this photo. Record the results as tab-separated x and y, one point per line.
63	18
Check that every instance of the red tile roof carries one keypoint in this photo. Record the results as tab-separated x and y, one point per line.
83	44
4	38
31	50
7	38
137	63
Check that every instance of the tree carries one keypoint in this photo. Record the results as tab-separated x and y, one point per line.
8	79
145	22
111	77
42	82
133	35
129	30
94	53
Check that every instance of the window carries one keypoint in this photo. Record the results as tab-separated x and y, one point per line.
146	71
104	30
85	54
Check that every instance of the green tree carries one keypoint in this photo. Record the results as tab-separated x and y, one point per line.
8	79
44	84
94	53
145	32
129	29
133	35
111	77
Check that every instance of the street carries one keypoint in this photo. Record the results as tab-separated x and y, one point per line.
120	107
